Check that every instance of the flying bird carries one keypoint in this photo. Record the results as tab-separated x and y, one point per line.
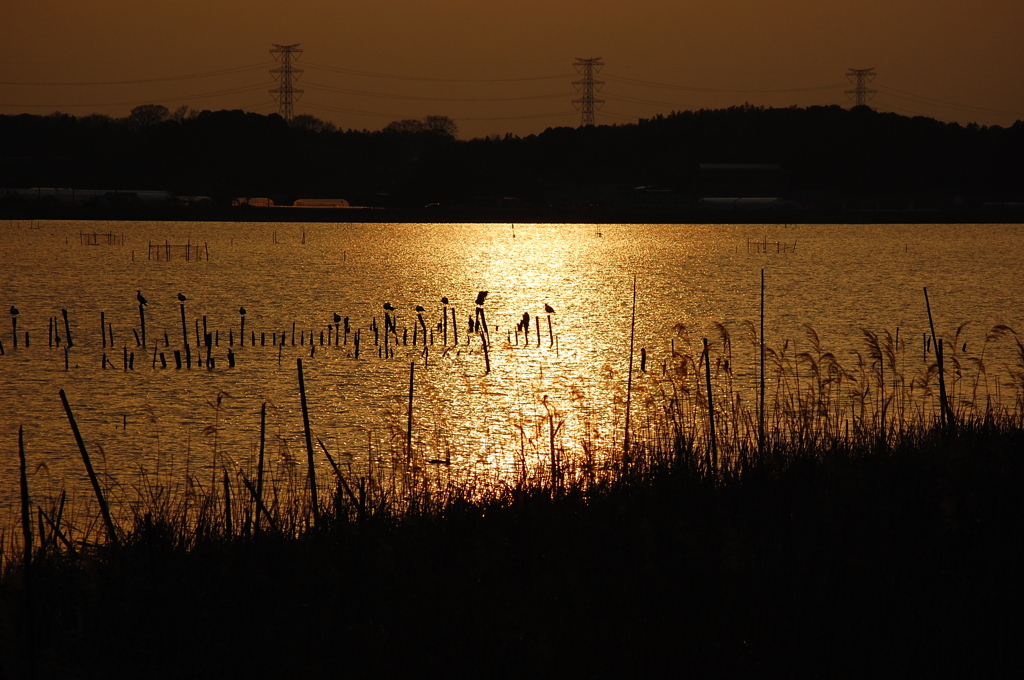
549	309
481	296
181	297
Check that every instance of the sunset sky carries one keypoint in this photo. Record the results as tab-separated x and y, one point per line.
508	67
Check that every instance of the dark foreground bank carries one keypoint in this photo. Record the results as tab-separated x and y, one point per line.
866	561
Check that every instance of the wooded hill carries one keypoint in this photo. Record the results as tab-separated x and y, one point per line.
818	157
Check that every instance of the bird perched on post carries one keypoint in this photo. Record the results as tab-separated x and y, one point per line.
14	311
337	318
444	301
141	299
549	309
181	297
241	310
389	307
419	308
481	296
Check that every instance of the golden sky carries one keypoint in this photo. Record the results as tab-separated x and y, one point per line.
508	66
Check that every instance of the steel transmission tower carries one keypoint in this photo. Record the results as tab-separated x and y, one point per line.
586	86
285	94
860	78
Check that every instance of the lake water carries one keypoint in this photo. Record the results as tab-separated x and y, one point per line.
837	278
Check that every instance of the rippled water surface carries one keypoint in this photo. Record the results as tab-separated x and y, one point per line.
838	279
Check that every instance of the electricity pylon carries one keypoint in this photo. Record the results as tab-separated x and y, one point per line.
586	104
285	94
860	77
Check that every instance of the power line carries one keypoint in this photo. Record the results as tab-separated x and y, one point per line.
389	76
365	93
237	90
396	116
637	100
618	116
690	88
939	102
533	116
208	74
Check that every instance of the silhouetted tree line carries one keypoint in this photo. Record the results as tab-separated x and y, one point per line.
828	154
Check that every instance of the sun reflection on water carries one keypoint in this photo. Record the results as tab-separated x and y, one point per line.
467	422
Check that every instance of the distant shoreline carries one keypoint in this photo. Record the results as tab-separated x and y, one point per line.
490	216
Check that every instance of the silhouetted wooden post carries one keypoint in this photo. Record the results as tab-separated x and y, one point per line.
142	316
26	517
103	328
104	510
455	327
14	325
67	329
241	334
487	356
184	326
309	446
444	319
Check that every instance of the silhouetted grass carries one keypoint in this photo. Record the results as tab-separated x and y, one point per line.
863	540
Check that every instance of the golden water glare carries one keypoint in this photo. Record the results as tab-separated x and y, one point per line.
468	423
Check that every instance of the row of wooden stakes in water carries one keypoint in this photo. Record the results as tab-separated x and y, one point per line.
54	331
336	334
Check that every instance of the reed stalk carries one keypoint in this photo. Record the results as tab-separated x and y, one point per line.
629	380
711	410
